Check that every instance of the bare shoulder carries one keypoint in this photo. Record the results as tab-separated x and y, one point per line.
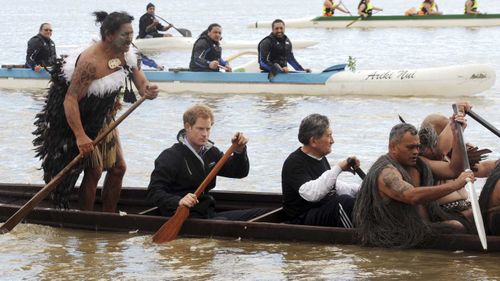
391	178
85	72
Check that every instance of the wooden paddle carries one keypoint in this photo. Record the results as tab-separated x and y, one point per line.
40	195
478	218
483	122
184	32
169	230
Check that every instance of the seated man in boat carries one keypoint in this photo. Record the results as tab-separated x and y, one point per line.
366	8
82	102
149	26
312	195
207	52
396	205
429	7
41	49
275	50
471	7
329	8
435	144
180	169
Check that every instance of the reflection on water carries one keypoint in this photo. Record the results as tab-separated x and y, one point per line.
54	254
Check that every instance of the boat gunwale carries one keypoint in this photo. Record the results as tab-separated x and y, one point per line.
403	17
263	230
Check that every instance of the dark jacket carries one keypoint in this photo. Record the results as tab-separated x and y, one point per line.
273	50
144	22
41	51
178	171
204	51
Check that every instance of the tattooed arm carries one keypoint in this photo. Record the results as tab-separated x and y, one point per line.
85	73
391	184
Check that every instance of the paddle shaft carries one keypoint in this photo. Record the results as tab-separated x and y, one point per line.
483	122
40	195
170	24
357	170
359	18
342	3
169	230
478	218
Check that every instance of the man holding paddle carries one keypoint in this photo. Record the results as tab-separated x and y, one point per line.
275	51
75	114
366	8
312	195
329	8
180	169
149	25
396	205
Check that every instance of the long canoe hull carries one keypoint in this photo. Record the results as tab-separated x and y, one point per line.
378	21
186	43
460	80
269	227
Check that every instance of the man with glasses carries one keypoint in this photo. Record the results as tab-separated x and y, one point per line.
41	49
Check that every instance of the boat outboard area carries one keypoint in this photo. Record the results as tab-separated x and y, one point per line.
458	80
388	21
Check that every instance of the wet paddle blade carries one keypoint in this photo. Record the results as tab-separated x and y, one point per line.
169	230
184	32
478	217
476	211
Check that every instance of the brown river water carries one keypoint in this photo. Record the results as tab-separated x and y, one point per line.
360	124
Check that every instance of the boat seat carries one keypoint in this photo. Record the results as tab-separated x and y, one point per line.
276	215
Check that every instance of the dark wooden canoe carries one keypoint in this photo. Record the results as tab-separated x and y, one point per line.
143	218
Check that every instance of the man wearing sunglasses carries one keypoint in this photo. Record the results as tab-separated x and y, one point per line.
41	49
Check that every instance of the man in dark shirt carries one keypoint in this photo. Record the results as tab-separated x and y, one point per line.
41	49
180	169
276	49
149	25
311	193
207	52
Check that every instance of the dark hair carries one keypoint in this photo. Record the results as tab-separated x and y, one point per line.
209	28
41	26
277	21
149	5
428	137
111	23
313	125
398	131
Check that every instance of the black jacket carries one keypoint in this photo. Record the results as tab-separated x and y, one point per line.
41	51
178	171
144	22
273	50
204	51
